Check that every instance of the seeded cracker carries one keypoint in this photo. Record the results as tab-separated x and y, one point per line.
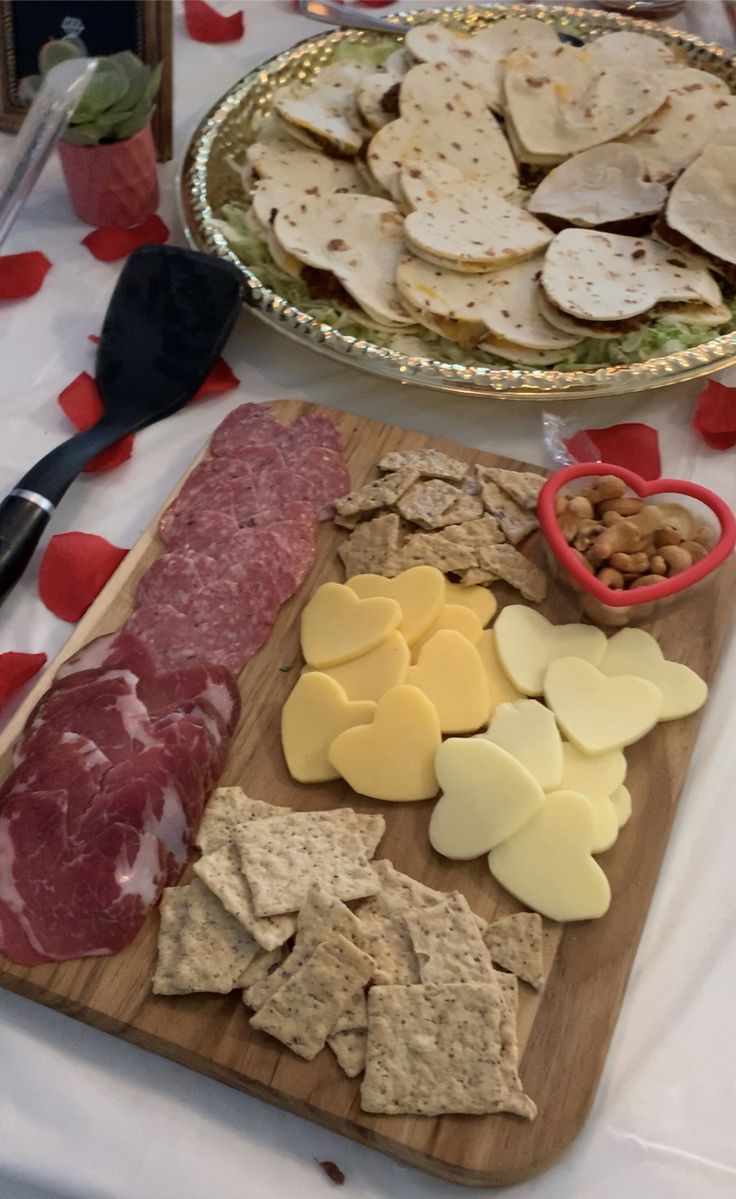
372	544
514	568
432	464
349	1049
213	949
523	486
436	1049
482	531
355	1016
381	493
426	503
222	873
433	549
228	811
384	915
476	577
515	522
515	942
266	961
371	829
305	1008
448	944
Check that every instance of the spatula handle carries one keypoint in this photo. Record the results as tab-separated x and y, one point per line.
23	518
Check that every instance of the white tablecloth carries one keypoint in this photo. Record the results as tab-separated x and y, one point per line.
85	1115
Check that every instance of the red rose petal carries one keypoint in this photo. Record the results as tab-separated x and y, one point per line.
74	569
205	24
374	3
110	243
94	338
15	670
220	379
82	403
632	445
715	416
21	275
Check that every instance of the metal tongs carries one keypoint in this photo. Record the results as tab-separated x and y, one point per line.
347	18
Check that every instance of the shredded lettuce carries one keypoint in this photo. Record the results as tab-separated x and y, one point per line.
372	54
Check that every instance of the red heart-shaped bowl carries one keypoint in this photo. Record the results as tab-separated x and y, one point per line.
618	607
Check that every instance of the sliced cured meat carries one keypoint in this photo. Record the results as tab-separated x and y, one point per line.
233	619
214	497
252	459
89	657
72	763
199	684
113	651
248	425
200	752
169	635
312	428
264	549
207	531
173	578
294	510
326	477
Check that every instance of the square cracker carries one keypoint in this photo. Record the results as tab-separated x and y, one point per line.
384	915
432	549
483	530
514	568
433	464
426	503
515	942
304	1009
381	493
228	811
448	943
221	872
283	856
266	961
439	1048
515	522
201	946
355	1015
370	546
349	1049
523	486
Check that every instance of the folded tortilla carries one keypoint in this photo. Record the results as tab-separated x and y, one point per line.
325	113
377	94
702	204
699	110
598	187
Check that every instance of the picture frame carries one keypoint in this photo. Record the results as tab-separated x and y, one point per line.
143	26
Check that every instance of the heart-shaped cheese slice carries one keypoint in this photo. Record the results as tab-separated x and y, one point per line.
527	643
393	758
479	599
419	592
527	730
314	714
621	801
547	865
451	675
597	779
598	713
500	688
487	796
451	616
374	673
338	626
633	651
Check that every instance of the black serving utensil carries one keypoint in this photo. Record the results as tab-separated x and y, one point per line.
167	323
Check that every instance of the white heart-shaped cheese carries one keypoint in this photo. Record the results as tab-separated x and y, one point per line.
527	730
597	779
621	801
487	796
527	643
633	651
599	713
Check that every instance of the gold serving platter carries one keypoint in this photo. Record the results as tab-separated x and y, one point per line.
208	180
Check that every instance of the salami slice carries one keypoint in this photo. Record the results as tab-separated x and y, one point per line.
312	428
248	425
294	510
233	618
262	549
207	531
169	635
174	578
326	478
252	459
297	540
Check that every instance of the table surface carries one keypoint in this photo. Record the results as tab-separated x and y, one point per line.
86	1116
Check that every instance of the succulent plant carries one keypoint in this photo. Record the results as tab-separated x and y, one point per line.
117	102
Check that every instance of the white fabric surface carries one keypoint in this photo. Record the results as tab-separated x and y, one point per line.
85	1115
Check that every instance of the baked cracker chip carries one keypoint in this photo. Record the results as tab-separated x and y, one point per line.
435	1049
476	577
484	530
228	811
302	1012
515	522
349	1049
523	486
371	546
355	1015
384	916
266	961
426	503
283	856
381	493
172	914
213	948
371	829
515	943
508	564
221	872
448	943
432	464
433	549
465	508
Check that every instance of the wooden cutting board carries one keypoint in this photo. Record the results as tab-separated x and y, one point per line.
564	1034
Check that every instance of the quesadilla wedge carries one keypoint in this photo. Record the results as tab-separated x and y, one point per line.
325	114
600	186
700	110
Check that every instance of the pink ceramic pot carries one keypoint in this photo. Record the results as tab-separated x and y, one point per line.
114	184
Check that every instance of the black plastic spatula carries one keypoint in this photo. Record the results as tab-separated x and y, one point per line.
168	320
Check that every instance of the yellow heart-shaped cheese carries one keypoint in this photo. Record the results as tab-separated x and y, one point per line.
452	616
370	675
393	758
501	689
338	626
621	801
314	714
479	599
527	643
597	713
451	675
528	731
633	651
486	797
547	864
597	779
419	592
